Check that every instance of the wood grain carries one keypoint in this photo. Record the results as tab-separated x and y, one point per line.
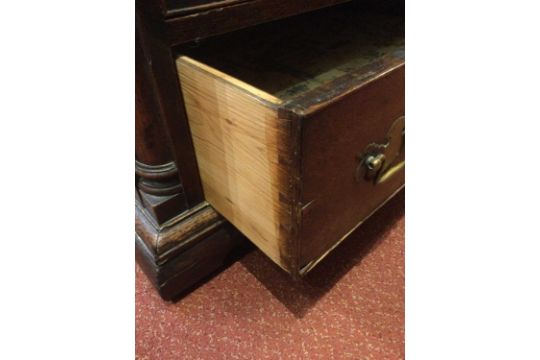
238	138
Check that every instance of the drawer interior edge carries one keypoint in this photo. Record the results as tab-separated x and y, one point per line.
216	73
321	54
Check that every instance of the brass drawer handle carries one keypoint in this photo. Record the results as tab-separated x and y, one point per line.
380	162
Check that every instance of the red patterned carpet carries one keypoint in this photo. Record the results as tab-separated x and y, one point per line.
351	306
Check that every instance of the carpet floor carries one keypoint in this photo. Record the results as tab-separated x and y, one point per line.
351	306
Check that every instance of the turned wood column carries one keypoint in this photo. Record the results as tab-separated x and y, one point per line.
156	60
157	179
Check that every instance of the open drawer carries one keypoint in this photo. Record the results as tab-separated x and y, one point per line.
298	127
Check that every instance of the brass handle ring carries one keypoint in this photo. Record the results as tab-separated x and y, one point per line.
379	162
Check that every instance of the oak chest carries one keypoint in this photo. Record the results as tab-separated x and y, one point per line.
298	127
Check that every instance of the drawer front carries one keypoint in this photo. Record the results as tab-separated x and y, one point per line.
352	162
